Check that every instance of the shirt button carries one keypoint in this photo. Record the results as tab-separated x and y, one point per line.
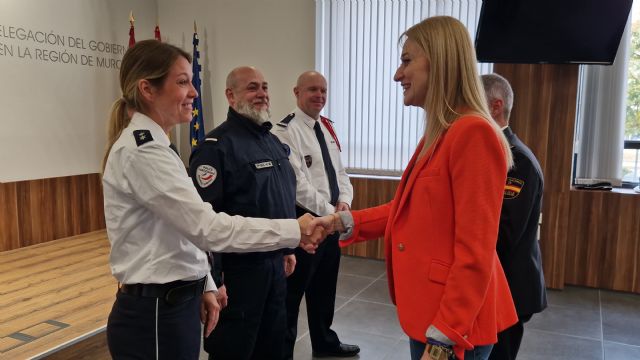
401	247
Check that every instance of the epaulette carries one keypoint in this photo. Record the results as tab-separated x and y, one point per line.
142	136
211	139
285	122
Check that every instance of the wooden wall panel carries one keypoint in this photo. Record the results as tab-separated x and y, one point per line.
9	230
543	117
368	193
36	211
604	251
587	238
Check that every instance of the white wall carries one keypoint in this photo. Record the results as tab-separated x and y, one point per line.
52	113
276	36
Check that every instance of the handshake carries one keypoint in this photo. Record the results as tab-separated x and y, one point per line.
313	230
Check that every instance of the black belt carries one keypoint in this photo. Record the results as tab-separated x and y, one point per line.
258	255
173	293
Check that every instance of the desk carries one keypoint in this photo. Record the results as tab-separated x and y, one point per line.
54	295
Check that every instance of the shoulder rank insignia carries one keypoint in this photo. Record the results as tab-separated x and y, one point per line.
513	187
211	139
142	136
285	122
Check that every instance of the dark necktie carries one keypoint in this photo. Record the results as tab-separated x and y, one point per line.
328	166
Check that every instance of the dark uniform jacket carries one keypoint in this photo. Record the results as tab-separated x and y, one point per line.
241	168
518	247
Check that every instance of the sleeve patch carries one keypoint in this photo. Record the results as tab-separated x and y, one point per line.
205	175
513	187
142	136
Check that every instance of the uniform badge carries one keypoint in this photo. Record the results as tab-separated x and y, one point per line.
513	187
205	175
263	165
307	160
142	136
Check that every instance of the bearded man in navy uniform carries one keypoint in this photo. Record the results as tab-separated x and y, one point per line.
241	168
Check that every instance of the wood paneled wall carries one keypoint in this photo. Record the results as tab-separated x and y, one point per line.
603	242
368	193
587	238
543	117
36	211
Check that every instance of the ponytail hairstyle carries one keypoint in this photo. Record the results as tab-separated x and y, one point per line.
453	82
148	60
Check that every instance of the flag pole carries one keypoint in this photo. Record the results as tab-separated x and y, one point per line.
197	121
132	31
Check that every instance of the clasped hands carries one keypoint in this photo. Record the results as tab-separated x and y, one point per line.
313	230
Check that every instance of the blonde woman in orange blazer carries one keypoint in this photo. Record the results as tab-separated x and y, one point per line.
440	229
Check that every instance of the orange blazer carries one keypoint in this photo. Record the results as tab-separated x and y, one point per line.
440	233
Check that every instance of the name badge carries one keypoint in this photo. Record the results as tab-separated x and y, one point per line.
263	165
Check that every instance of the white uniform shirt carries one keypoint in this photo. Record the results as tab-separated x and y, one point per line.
157	223
312	189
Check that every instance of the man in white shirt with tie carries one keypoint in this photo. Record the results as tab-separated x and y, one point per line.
322	188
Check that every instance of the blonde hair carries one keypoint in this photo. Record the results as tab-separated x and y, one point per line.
453	84
147	60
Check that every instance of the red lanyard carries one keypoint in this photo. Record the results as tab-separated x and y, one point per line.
327	124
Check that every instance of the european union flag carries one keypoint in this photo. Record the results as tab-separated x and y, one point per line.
197	122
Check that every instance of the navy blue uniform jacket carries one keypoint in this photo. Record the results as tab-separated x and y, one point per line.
241	168
518	247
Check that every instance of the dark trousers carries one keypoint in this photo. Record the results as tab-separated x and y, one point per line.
253	324
509	341
149	328
315	277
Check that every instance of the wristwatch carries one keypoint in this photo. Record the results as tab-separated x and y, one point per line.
439	352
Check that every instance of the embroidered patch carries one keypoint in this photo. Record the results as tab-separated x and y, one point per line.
205	175
308	160
142	136
263	165
513	187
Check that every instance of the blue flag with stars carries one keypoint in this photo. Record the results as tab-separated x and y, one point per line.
197	122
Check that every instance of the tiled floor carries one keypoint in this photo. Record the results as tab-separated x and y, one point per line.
580	323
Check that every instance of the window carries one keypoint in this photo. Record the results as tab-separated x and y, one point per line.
631	153
358	52
608	115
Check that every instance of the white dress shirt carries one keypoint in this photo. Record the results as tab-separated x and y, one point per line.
157	223
312	189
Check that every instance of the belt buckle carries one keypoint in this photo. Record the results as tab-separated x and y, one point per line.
181	294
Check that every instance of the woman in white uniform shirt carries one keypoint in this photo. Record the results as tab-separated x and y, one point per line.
157	223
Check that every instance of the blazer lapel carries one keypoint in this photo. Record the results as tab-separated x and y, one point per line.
408	179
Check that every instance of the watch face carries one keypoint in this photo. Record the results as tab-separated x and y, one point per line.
435	352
